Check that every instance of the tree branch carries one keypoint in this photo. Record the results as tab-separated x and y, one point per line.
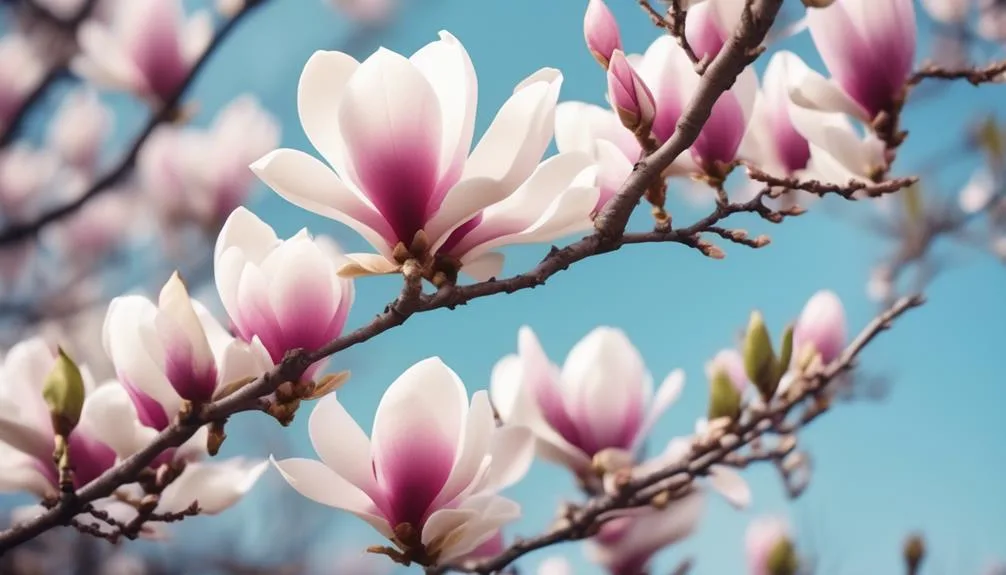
983	75
18	232
580	523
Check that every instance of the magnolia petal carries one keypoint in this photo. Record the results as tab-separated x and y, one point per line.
110	417
484	267
667	394
462	203
319	93
213	486
306	182
314	480
359	265
833	135
512	452
808	89
730	485
130	349
480	428
341	443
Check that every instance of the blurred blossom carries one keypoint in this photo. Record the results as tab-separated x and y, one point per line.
992	20
764	536
880	286
367	11
24	173
600	30
555	565
63	8
79	129
185	355
100	226
600	403
280	294
428	476
124	564
948	11
710	23
730	362
202	174
148	48
397	132
998	247
976	194
868	47
773	143
20	72
229	8
625	545
820	327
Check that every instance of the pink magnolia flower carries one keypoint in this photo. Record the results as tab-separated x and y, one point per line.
838	153
601	401
671	79
600	30
101	226
173	350
24	173
108	430
629	96
763	535
20	71
821	326
397	132
709	24
773	142
625	545
428	476
285	294
868	47
147	49
202	174
79	129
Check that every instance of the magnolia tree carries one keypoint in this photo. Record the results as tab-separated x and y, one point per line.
394	161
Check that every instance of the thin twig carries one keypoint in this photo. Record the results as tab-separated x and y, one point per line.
991	73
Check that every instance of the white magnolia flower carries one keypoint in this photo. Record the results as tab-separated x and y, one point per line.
280	294
600	403
147	49
396	133
427	477
79	129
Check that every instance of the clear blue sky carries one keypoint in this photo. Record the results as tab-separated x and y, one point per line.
928	458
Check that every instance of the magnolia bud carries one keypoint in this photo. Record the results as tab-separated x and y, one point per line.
601	32
629	96
782	560
915	552
64	394
724	399
759	358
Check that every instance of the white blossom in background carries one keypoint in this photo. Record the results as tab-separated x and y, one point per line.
951	12
600	405
991	20
147	48
24	174
396	133
280	294
975	195
101	226
763	535
20	72
556	565
79	129
427	478
201	174
821	327
366	11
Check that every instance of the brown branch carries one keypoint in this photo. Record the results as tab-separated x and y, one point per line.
975	76
581	522
738	52
674	23
818	188
18	232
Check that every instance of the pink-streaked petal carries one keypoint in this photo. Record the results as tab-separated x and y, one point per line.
459	212
390	119
472	450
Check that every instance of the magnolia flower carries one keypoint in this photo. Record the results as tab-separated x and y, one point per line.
601	404
991	20
625	545
96	229
837	152
821	327
24	173
397	132
868	47
79	129
710	23
600	30
671	78
773	143
428	475
763	538
202	174
173	350
555	565
280	294
20	71
148	48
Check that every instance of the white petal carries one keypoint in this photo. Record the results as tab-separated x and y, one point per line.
512	452
484	267
110	417
808	89
341	444
214	486
319	93
473	448
667	395
730	485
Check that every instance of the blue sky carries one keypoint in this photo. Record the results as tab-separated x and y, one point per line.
926	458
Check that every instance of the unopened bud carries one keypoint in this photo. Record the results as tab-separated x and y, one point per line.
759	358
64	394
600	30
915	552
629	96
724	399
215	438
762	241
782	559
